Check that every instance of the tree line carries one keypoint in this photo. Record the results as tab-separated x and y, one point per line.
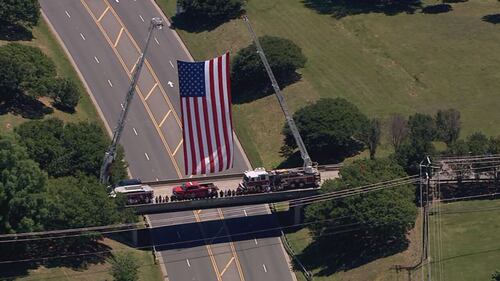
49	181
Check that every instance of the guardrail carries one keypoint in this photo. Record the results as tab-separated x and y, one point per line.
240	200
321	168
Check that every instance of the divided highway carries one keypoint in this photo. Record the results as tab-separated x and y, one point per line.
103	38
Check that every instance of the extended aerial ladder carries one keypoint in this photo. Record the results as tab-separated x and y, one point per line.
110	155
308	165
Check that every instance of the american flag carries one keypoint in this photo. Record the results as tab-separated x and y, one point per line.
206	115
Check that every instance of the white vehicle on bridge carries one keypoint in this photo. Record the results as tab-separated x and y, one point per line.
134	191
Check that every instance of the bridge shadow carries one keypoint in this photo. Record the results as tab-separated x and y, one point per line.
195	234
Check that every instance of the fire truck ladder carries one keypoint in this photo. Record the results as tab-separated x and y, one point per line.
308	167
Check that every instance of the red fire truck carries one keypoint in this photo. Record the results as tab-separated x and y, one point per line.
192	190
261	180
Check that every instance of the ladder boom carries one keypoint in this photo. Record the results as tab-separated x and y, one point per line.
281	99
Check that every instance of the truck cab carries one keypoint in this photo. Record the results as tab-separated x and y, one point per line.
255	181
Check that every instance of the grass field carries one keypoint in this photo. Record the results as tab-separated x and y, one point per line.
384	64
467	247
46	41
148	271
381	269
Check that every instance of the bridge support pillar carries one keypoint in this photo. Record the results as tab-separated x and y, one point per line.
297	214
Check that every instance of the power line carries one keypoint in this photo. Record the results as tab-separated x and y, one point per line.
293	203
190	241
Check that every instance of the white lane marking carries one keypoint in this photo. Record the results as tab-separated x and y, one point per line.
141	18
170	84
171	64
121	104
264	266
187	260
147	156
83	37
96	60
156	40
255	240
111	85
135	132
67	14
245	211
117	1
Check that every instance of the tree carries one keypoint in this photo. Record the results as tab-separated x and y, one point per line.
10	79
378	219
15	12
422	127
65	93
478	144
329	129
249	78
495	276
398	130
371	136
124	267
23	205
82	201
459	147
422	131
31	68
66	150
448	125
211	10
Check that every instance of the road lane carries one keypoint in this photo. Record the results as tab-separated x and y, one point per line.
163	56
108	98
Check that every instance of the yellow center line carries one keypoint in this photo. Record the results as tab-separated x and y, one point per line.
158	130
146	62
209	249
227	266
150	91
164	118
135	64
103	13
118	38
177	148
233	250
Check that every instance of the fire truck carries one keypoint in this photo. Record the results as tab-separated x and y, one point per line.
261	180
134	191
194	190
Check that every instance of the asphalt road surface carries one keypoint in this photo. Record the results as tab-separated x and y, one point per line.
103	38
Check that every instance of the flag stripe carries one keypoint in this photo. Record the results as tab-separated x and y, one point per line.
213	96
185	143
199	124
192	149
223	106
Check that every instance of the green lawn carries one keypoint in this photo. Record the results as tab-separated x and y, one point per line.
384	64
381	269
467	247
46	41
148	271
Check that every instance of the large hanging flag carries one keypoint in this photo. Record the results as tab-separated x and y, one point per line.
206	115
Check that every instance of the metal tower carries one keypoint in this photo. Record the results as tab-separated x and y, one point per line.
109	156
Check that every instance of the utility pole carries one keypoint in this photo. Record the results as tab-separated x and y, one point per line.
110	155
291	124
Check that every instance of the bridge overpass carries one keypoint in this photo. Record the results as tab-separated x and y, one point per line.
225	182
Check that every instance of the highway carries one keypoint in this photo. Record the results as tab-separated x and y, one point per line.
103	39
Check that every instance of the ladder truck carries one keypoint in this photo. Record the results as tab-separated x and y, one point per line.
260	180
